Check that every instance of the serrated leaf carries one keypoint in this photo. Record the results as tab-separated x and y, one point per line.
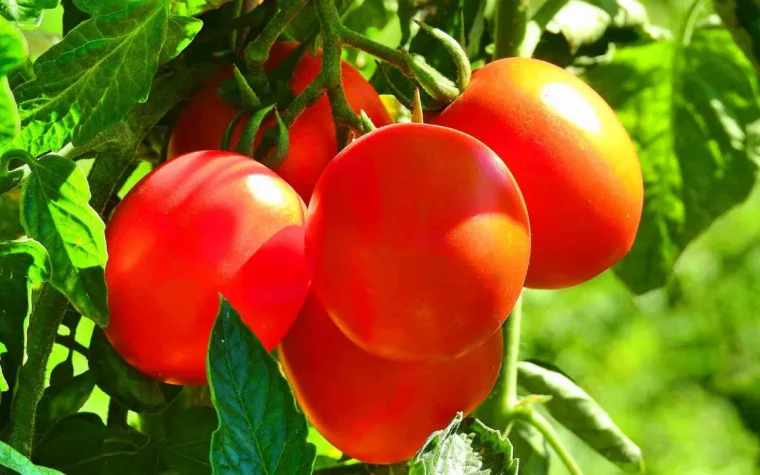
742	18
531	449
101	69
25	12
55	210
22	264
12	55
465	447
260	429
692	110
572	407
82	445
11	459
64	399
129	387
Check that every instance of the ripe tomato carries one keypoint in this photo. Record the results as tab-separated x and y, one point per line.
575	164
201	124
417	242
194	227
373	409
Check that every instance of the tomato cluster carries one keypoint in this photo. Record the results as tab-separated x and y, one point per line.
386	295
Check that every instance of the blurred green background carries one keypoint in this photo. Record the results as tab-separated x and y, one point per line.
678	369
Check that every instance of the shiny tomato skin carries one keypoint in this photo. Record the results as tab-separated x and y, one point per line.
417	242
201	124
373	409
203	224
572	158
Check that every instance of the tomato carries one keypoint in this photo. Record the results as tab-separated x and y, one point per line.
417	242
205	223
376	410
570	154
201	124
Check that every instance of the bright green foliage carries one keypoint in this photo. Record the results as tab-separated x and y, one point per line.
100	70
25	12
465	447
11	459
11	56
260	429
692	109
55	210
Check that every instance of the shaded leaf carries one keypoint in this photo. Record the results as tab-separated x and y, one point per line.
55	210
692	110
742	18
465	447
186	448
128	386
260	429
11	459
25	12
22	264
572	407
101	69
82	445
64	399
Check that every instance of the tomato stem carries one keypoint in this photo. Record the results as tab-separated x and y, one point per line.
43	328
511	20
511	331
544	426
257	51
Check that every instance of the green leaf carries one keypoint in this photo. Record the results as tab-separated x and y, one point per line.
742	17
12	55
55	210
465	447
101	69
531	449
692	110
64	399
11	459
572	407
129	387
25	12
23	263
82	445
186	448
260	429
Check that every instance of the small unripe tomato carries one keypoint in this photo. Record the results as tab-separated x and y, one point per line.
572	158
417	242
313	143
373	409
203	224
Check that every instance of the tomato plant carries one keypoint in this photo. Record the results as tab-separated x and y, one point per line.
285	237
572	158
203	121
225	224
430	225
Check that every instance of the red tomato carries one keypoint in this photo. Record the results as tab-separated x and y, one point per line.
205	223
417	242
376	410
201	124
575	164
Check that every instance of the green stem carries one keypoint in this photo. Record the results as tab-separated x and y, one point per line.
539	422
41	334
396	57
511	332
691	21
511	22
70	342
257	52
